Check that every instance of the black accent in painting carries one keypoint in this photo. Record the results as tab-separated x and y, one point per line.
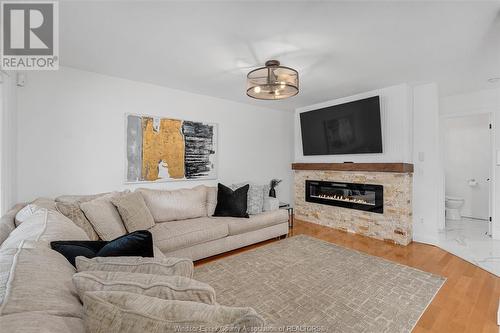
199	145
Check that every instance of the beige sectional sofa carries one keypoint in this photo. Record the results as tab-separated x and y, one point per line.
37	293
184	226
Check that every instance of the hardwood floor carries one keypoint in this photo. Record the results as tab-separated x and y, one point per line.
467	302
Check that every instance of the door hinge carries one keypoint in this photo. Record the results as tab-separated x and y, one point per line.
491	126
490	218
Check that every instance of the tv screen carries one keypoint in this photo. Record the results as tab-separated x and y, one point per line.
350	128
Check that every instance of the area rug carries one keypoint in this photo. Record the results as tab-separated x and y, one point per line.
303	284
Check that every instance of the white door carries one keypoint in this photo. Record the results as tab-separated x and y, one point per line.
468	163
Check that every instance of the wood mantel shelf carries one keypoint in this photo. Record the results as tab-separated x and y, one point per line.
368	167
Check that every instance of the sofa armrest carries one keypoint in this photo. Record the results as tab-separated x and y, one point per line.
271	204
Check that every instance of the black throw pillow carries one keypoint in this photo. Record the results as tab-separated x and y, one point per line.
136	244
231	203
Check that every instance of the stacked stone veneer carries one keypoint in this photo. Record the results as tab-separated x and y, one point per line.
394	225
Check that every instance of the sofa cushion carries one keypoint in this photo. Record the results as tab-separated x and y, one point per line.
39	279
134	212
172	287
75	214
104	216
159	266
180	234
7	222
255	222
176	204
39	322
46	226
122	312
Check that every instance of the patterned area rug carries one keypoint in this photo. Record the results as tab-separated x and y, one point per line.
321	287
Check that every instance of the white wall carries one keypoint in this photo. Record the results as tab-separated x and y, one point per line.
395	112
428	177
467	155
8	116
478	102
71	133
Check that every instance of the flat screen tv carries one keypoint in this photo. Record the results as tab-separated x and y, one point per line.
350	128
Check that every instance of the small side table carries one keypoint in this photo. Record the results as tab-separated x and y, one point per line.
284	205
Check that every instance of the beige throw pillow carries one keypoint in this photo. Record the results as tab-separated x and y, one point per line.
122	312
176	205
104	216
134	212
75	214
168	266
162	286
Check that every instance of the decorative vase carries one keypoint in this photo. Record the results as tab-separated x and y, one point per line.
272	192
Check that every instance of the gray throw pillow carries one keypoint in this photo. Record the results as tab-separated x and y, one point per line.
255	197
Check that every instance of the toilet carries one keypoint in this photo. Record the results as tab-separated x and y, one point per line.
453	206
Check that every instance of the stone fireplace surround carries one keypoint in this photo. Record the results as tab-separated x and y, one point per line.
394	225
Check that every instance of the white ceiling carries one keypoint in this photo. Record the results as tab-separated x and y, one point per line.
339	48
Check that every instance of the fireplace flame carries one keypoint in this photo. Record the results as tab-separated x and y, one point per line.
343	198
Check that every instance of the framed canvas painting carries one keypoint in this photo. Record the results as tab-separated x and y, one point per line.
164	149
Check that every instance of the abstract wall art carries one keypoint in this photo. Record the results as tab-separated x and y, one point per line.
164	149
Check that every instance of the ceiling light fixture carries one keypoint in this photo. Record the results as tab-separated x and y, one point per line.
272	81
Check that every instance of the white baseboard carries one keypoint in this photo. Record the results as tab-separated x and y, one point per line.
425	239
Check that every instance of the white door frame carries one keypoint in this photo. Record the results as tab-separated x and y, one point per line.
491	113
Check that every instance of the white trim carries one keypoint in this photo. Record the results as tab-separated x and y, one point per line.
424	239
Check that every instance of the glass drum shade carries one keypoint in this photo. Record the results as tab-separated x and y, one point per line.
273	82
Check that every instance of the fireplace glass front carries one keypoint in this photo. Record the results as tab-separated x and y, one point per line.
367	197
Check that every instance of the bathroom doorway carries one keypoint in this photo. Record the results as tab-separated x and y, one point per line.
468	170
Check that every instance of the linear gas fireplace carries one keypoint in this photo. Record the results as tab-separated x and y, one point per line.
365	197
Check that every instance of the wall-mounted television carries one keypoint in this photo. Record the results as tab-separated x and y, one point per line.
349	128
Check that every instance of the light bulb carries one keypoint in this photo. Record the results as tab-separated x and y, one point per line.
277	92
256	90
282	85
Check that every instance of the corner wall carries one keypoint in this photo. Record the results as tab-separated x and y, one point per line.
428	184
410	130
71	134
